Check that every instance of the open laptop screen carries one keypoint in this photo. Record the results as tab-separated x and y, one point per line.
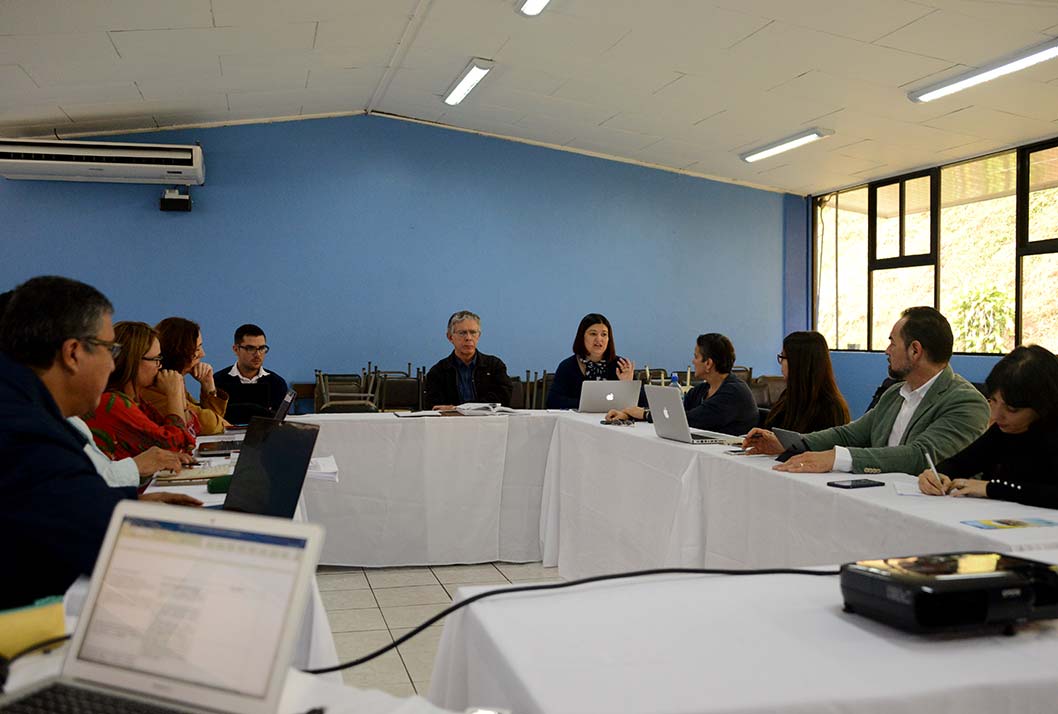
200	604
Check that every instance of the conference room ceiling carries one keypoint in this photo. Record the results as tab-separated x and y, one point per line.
681	84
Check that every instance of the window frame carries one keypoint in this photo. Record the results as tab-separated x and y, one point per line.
1023	247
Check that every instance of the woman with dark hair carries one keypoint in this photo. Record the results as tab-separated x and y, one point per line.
594	358
1016	459
811	400
722	402
182	352
124	425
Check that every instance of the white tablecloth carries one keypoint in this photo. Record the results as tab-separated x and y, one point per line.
620	498
433	490
754	644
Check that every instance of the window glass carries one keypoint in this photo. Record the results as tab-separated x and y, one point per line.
917	216
1039	309
894	290
887	222
1043	195
826	279
977	252
852	270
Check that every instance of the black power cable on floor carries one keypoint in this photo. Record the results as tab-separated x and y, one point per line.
555	586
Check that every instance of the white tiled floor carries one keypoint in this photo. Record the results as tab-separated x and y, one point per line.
369	607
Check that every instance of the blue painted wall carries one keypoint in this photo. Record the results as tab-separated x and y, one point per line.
353	239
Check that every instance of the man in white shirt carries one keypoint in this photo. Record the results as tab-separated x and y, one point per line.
252	390
933	410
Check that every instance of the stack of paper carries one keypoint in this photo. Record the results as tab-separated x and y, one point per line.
323	468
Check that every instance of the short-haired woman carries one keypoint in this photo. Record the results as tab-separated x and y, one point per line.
1016	459
722	402
811	400
594	358
182	352
123	425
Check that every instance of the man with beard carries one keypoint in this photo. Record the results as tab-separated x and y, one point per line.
931	410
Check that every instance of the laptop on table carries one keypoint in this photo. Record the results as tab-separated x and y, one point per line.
189	610
225	447
599	397
271	468
670	421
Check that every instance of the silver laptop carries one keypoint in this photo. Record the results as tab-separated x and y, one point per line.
189	610
670	421
599	397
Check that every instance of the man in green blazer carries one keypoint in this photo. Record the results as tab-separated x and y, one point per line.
933	410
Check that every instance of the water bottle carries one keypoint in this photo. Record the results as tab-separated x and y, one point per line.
675	381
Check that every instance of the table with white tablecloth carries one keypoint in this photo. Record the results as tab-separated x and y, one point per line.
430	490
620	498
710	644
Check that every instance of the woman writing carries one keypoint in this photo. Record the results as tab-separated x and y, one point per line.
1016	459
722	402
123	425
811	400
182	352
594	358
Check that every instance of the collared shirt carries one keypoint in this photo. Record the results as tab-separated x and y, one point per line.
115	473
912	399
234	372
465	378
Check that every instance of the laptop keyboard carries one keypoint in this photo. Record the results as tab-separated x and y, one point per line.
62	699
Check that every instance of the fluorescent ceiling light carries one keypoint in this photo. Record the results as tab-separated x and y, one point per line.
1039	53
805	137
533	7
468	79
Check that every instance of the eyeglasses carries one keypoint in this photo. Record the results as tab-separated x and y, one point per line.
780	357
253	349
157	360
114	347
467	333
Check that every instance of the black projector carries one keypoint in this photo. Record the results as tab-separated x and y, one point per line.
951	592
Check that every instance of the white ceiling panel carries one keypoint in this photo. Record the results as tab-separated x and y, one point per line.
960	38
685	84
991	124
863	20
33	17
215	41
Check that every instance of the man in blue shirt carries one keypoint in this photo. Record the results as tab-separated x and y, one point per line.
57	340
466	375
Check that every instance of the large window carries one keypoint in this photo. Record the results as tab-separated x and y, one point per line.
978	240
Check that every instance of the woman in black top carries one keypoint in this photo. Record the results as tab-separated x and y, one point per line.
594	358
811	400
1016	459
722	402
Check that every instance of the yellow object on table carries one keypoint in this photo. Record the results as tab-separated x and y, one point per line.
25	626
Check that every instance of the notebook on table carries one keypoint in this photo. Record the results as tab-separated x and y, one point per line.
599	397
670	421
189	610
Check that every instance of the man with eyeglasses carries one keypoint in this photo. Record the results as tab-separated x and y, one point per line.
466	375
252	390
57	345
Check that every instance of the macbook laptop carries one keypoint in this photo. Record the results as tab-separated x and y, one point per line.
599	397
227	446
271	468
670	421
188	610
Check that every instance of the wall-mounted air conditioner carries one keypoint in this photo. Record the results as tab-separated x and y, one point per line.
49	160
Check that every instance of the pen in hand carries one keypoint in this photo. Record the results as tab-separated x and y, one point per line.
933	468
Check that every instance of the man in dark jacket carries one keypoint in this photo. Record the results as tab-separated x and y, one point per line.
57	340
466	375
